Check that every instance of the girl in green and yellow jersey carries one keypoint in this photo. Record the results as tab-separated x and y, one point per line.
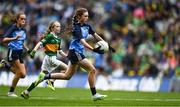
51	44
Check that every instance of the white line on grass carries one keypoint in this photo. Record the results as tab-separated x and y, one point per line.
119	99
165	100
36	98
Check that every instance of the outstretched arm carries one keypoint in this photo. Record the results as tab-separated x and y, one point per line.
97	37
25	47
33	52
62	53
91	48
37	46
6	39
83	41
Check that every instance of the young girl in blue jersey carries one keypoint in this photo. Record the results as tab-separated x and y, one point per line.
15	37
80	32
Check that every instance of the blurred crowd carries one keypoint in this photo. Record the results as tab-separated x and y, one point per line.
145	33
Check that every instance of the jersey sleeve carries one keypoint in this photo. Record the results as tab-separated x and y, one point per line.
9	32
91	31
77	33
59	46
46	39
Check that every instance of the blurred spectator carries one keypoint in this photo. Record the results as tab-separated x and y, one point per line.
145	33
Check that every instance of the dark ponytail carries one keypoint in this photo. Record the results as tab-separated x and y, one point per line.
78	13
74	20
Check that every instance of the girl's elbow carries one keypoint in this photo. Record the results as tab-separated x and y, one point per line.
4	40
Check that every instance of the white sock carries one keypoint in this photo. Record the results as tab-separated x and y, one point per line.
26	92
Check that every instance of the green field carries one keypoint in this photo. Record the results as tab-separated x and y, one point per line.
81	97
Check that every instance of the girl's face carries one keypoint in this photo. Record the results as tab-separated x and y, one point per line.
57	27
21	21
84	17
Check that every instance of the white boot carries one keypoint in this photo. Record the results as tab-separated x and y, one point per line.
98	96
11	94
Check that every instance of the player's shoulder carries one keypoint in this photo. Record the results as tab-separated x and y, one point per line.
80	25
86	24
10	29
49	35
24	29
76	27
13	27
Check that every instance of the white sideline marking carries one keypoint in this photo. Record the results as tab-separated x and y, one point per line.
120	99
41	98
165	100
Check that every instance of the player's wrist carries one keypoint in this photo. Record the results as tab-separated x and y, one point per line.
32	53
97	50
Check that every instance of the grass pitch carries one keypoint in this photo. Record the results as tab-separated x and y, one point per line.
82	97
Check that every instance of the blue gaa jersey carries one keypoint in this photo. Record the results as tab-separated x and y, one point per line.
80	32
13	31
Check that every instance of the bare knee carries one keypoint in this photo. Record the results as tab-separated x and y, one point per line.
21	75
93	70
20	71
68	77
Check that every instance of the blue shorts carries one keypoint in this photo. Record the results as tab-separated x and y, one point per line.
15	55
75	57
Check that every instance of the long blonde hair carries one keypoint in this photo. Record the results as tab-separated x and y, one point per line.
48	30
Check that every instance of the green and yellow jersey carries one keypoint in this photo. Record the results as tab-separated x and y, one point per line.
51	44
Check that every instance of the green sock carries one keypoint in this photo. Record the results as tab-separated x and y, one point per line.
31	87
41	76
